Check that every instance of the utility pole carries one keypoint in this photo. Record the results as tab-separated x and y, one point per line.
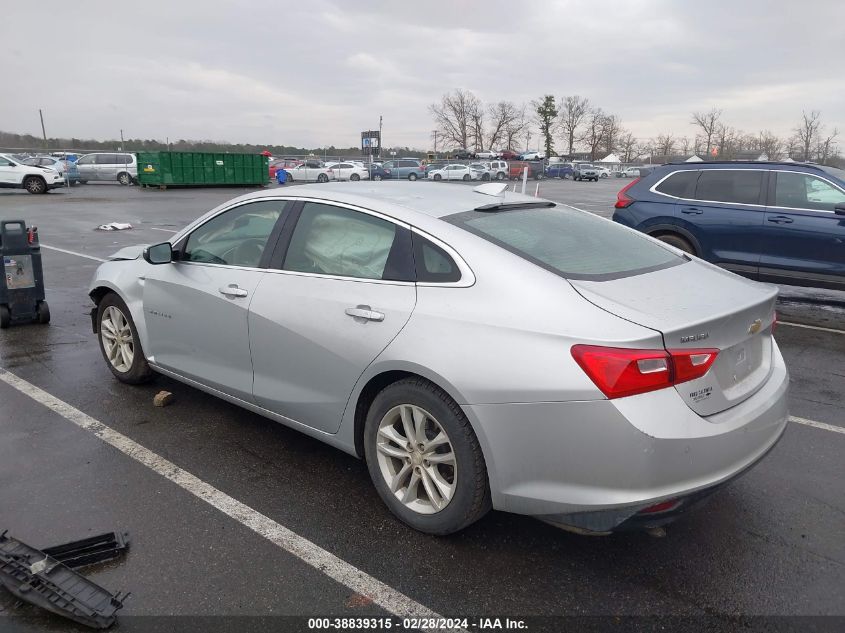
122	146
435	143
379	136
43	130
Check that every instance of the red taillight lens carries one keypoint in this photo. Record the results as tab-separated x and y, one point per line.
623	199
774	322
620	372
663	506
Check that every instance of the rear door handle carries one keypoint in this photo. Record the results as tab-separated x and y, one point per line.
692	211
232	290
781	219
365	312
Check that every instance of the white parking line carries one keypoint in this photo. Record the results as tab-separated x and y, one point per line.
62	250
817	425
335	568
812	327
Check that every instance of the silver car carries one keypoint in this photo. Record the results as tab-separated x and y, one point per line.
119	167
478	348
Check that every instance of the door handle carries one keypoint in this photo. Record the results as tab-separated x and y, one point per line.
781	219
232	290
365	312
692	211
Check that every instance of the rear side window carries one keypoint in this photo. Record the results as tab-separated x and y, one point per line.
573	244
679	185
107	159
725	185
433	264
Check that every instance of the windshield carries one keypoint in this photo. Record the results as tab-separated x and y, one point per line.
833	171
573	244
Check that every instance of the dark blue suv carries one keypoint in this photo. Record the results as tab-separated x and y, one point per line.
770	221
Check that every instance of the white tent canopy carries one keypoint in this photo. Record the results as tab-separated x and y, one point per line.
610	158
694	159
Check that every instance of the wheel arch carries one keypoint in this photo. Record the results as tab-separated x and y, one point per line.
665	229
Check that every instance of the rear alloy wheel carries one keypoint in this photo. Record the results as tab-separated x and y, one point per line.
355	177
35	184
377	177
412	176
119	342
500	176
124	179
678	242
322	178
438	177
424	458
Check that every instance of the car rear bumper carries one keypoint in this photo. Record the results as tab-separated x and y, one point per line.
595	465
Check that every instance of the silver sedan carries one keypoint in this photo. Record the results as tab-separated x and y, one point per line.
478	348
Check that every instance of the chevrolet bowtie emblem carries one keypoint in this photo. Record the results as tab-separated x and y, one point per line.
755	327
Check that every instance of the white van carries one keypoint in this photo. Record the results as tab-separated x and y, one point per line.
119	167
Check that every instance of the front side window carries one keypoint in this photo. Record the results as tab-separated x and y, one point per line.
86	160
729	185
803	191
679	185
236	237
573	244
331	240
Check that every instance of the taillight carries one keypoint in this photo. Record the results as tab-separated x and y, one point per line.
663	506
620	372
774	322
623	199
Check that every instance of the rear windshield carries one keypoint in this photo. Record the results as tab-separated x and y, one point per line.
573	244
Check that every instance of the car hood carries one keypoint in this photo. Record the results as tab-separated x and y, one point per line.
128	253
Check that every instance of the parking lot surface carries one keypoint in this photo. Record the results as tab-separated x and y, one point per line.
770	544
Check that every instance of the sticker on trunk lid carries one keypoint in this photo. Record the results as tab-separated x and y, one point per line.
701	394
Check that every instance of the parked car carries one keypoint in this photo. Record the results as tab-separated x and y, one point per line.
536	170
462	154
522	355
776	222
498	169
409	168
67	168
350	171
559	170
377	172
532	155
455	172
629	172
487	154
434	165
585	171
119	167
483	169
604	172
311	171
16	174
508	155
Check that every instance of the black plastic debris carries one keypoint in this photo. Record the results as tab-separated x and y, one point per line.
34	577
95	549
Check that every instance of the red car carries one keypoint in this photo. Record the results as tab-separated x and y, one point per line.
281	163
509	155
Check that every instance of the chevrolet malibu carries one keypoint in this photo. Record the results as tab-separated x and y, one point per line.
477	347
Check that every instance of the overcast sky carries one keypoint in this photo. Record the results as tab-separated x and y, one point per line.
314	72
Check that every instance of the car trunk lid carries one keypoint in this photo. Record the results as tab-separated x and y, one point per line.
698	306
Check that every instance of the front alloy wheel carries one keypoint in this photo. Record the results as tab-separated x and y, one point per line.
119	342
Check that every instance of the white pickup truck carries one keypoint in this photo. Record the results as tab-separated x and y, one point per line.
34	178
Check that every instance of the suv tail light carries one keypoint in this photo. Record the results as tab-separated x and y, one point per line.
620	372
622	198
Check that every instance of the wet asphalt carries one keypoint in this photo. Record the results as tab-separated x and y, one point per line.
772	543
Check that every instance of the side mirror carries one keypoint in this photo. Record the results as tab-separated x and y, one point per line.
839	209
159	253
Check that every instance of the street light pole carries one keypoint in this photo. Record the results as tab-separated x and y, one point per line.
43	130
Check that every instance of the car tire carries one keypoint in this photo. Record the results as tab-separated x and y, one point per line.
377	177
5	317
133	370
83	182
465	178
438	177
678	242
35	184
322	178
412	177
355	178
124	179
500	176
43	312
463	477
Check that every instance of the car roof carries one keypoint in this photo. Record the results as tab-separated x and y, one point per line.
742	163
401	200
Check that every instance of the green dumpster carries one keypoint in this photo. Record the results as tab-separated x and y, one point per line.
201	169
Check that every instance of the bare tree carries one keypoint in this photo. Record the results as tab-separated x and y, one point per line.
515	128
826	147
708	122
808	131
664	144
477	127
611	133
627	147
726	140
573	111
685	144
454	117
502	115
594	132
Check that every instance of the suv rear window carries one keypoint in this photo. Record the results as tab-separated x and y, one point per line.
729	185
679	184
573	244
